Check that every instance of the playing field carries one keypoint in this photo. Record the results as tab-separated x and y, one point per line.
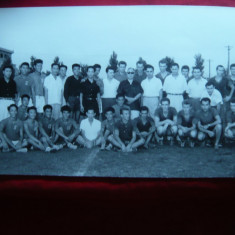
163	162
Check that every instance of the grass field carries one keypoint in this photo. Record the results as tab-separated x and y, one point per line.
162	161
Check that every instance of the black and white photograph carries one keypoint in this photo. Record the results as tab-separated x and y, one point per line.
117	91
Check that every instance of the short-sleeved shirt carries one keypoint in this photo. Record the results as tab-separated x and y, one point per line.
120	77
186	121
11	128
151	87
108	125
125	130
91	130
7	89
206	117
117	109
22	113
221	86
170	115
72	87
230	117
89	89
66	125
32	127
143	127
38	81
47	124
139	77
110	88
196	87
131	90
216	97
24	85
55	88
159	75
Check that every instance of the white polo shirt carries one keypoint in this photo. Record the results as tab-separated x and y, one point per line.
91	129
110	87
216	97
196	87
55	87
175	85
151	87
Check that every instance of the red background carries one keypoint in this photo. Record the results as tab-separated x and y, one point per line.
43	205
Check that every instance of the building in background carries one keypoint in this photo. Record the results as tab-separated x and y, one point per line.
4	53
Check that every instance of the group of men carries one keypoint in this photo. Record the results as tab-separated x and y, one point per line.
128	109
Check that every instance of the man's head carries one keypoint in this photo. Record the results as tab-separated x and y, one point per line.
97	68
165	103
232	105
63	70
162	66
144	112
90	113
110	72
185	71
125	114
65	110
7	71
120	99
47	109
175	69
140	66
76	69
90	71
197	73
38	65
186	106
12	109
149	70
210	86
130	73
220	70
122	66
32	112
205	104
55	68
232	69
24	68
109	112
25	100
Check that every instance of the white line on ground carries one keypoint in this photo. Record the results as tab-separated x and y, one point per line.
84	166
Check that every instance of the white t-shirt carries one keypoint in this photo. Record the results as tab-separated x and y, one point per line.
55	88
196	87
216	97
175	85
91	130
151	86
110	88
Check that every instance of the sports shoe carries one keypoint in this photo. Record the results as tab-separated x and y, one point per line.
72	146
22	150
48	149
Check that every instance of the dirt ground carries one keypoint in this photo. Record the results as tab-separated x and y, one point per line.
161	162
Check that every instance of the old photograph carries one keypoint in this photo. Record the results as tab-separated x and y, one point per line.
117	91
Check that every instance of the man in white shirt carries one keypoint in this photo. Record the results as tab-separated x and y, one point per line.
214	95
152	87
90	130
110	89
196	87
53	87
175	85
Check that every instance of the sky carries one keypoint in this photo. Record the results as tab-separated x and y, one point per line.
89	35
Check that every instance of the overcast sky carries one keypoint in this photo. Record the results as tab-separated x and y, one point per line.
90	34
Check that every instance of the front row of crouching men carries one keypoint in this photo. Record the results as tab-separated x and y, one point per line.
46	134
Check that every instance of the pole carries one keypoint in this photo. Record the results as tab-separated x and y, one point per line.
229	49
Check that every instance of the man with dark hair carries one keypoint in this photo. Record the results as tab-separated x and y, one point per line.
187	124
11	132
120	100
121	74
152	88
90	93
24	83
98	80
132	91
214	95
185	72
72	88
145	126
230	120
140	74
54	89
67	128
38	78
63	77
209	122
163	70
8	93
175	86
90	130
125	134
166	121
22	110
110	89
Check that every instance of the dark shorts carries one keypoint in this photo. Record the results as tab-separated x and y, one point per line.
74	103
